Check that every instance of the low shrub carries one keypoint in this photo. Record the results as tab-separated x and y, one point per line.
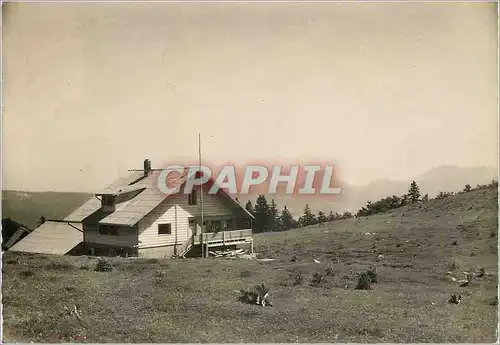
27	273
329	271
372	275
365	280
245	274
59	266
295	278
258	296
103	265
454	299
317	279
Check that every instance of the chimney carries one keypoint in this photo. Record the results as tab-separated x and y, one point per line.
147	167
108	203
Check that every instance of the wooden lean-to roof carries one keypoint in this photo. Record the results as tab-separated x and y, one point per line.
52	237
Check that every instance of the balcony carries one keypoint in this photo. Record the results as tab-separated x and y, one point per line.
225	237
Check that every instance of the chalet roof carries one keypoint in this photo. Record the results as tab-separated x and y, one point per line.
116	191
233	200
51	238
130	212
94	204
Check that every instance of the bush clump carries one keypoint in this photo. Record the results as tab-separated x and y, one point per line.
59	266
317	279
27	273
364	282
329	271
365	279
372	275
245	274
103	265
295	278
258	296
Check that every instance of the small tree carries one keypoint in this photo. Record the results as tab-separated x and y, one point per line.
404	200
287	219
273	216
307	218
41	220
279	224
425	198
322	217
249	207
443	195
346	215
414	192
467	188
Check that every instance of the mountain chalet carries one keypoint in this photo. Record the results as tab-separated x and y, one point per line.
132	217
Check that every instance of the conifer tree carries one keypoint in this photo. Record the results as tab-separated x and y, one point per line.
249	207
308	217
287	219
414	192
261	214
273	216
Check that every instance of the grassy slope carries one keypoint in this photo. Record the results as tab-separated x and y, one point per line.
195	300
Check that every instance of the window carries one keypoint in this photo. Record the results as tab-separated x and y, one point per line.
164	229
192	197
108	230
213	225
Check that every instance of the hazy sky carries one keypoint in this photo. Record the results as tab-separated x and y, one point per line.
383	90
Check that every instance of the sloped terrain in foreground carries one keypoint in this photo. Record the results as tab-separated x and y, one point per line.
423	247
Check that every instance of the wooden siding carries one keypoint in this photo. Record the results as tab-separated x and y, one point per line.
213	205
158	252
165	213
127	236
177	211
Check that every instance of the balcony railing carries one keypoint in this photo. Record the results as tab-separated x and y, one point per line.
225	236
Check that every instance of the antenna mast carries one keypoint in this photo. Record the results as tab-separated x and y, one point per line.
201	200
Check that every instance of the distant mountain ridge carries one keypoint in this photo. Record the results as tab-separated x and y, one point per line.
27	207
440	179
